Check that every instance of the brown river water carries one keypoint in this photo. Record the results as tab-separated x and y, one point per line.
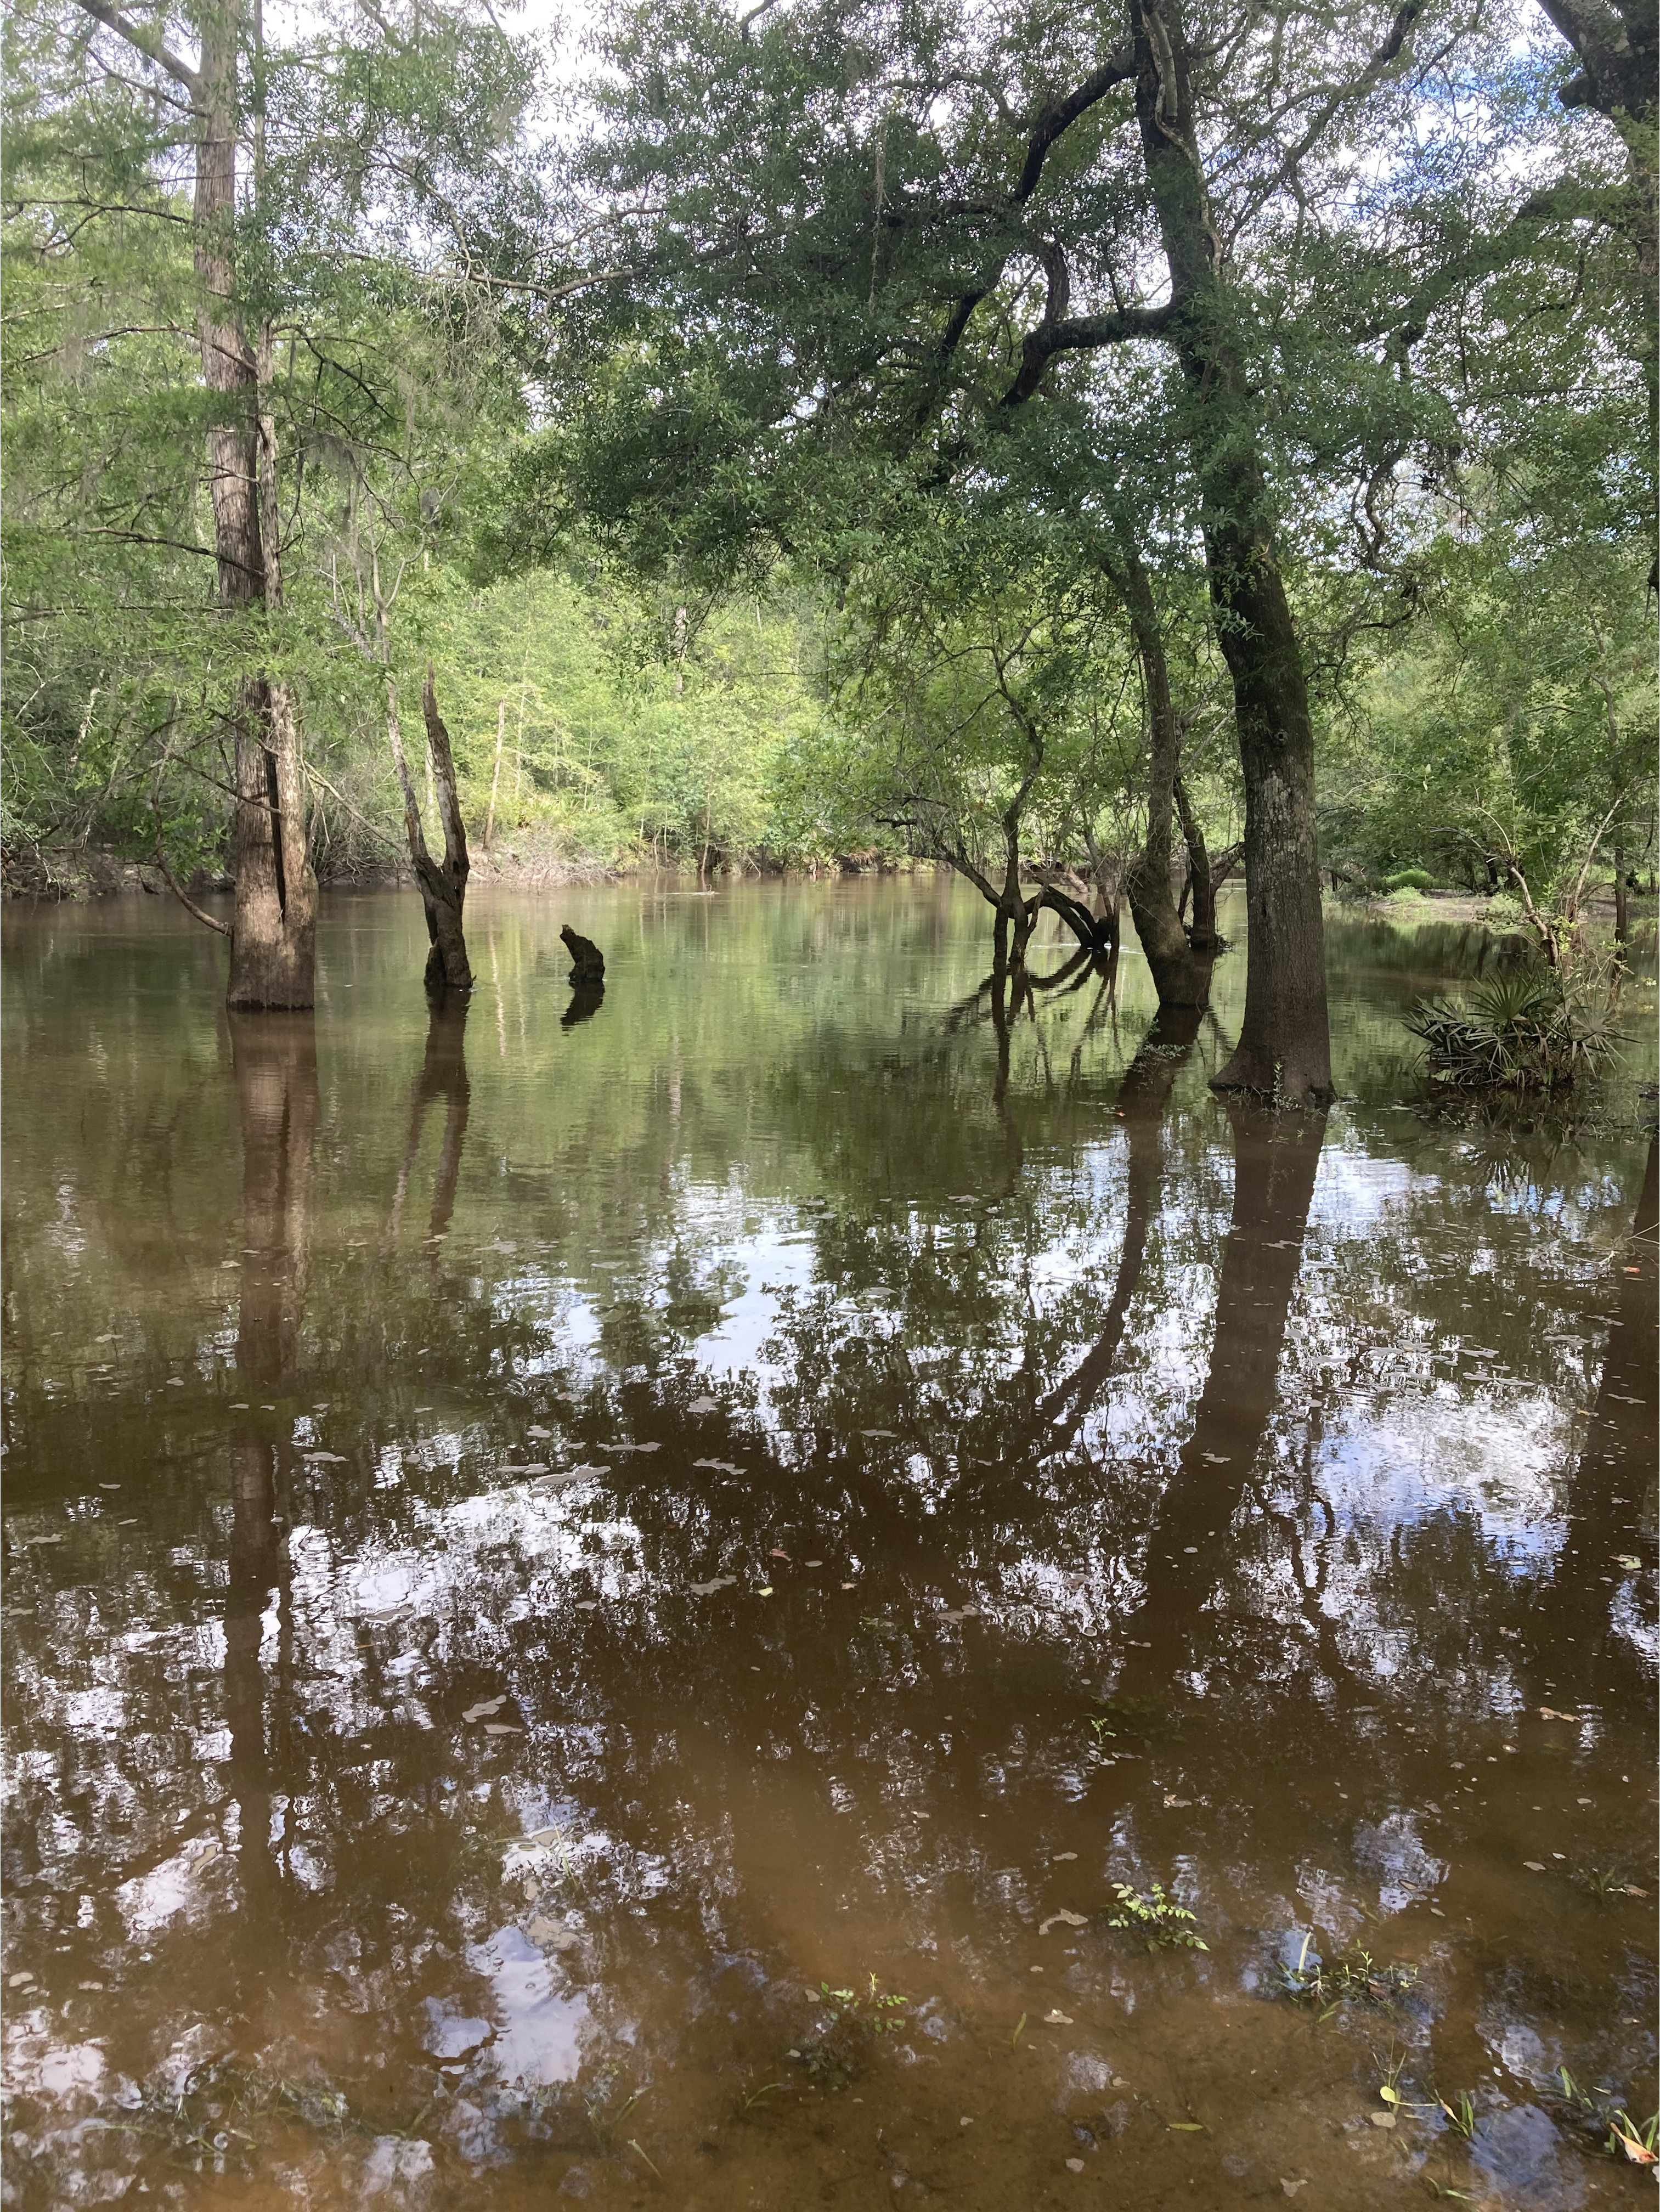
671	1601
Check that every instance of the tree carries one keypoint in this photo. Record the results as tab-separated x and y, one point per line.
273	937
899	214
328	189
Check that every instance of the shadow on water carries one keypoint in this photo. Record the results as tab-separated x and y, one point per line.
861	1463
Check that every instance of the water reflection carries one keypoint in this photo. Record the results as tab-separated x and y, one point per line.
274	1066
443	1078
821	1482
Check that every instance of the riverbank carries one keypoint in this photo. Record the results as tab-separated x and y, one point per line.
30	872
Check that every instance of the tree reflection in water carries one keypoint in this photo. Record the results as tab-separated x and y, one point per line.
1218	1505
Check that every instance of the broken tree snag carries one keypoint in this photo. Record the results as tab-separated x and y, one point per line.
442	885
588	962
448	939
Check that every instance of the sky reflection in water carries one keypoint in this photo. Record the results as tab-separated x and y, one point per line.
535	1547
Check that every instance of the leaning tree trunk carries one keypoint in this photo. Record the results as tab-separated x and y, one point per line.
1181	973
443	885
1284	1049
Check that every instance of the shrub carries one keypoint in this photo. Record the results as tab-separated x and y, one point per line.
1525	1031
1409	879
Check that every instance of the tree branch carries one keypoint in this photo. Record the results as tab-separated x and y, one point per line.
178	890
146	43
1079	334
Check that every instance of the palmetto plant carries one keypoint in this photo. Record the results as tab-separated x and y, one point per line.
1530	1029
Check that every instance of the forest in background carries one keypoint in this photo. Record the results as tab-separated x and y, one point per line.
1040	446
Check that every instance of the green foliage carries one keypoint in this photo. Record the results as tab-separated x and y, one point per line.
879	2011
1526	1028
1155	1916
1355	1976
1409	879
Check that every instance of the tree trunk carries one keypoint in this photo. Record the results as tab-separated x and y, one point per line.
496	773
1181	974
443	886
273	937
1201	884
1621	912
1284	1050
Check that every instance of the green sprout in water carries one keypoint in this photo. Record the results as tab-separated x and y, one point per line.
1166	1924
878	2009
1355	1976
1460	2116
1641	2145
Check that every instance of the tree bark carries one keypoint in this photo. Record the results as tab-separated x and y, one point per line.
443	885
1181	973
274	935
1284	1050
1205	877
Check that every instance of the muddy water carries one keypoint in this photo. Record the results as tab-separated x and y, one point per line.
670	1601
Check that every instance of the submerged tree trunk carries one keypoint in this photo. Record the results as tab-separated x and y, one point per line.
443	1076
1143	1095
1284	1049
1181	972
1577	1635
443	885
273	937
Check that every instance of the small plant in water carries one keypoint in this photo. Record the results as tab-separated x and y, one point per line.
1603	1881
1640	2145
880	2010
1166	1924
1461	2116
1355	1976
603	2126
750	2100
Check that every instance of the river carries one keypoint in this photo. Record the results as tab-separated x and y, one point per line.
796	1585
